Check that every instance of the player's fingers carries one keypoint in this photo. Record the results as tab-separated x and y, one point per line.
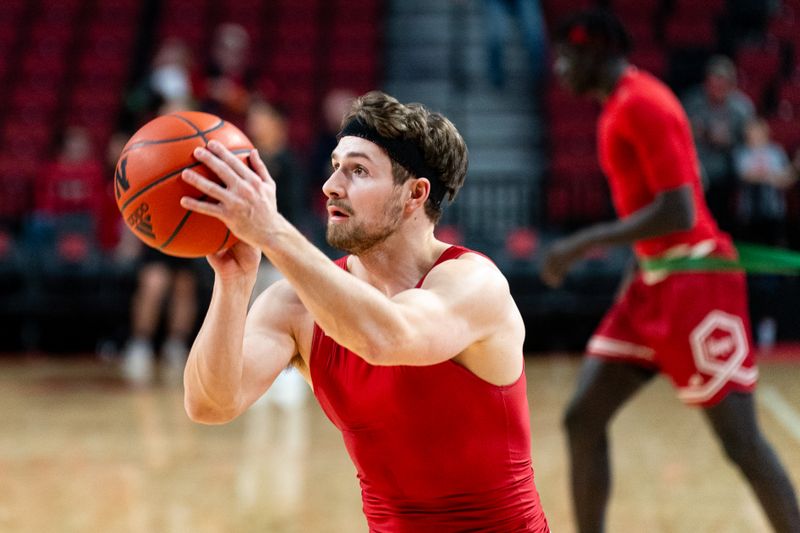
260	167
205	208
233	161
205	185
227	174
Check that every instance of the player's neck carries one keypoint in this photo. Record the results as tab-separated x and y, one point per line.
400	261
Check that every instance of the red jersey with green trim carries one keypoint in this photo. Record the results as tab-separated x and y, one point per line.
436	448
645	147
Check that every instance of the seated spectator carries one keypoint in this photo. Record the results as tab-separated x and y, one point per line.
68	198
718	112
764	172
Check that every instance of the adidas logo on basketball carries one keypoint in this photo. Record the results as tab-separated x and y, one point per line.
139	220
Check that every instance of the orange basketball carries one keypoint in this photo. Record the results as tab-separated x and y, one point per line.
148	184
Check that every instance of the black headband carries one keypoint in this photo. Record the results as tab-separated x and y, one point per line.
403	151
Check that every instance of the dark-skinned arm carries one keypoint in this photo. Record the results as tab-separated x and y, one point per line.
671	211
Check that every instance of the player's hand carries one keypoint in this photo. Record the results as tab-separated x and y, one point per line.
559	258
246	200
240	261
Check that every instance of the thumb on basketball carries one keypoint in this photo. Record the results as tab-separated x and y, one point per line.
241	259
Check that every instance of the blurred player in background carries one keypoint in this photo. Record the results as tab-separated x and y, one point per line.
413	346
691	326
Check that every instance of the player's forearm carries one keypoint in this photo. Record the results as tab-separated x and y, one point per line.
350	311
213	375
672	211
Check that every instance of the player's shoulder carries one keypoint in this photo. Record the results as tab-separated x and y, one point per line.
648	102
647	91
280	298
469	259
471	267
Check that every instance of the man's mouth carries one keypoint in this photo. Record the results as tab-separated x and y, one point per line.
335	213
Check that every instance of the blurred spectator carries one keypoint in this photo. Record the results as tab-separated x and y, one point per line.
69	195
168	83
268	129
160	277
229	78
335	105
718	112
530	20
764	172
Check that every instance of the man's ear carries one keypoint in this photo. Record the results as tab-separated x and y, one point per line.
419	192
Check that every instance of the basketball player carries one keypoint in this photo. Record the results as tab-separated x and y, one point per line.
691	326
413	347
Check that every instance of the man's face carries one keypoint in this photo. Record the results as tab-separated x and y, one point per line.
576	68
718	87
364	204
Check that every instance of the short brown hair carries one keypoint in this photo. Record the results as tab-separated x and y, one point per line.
441	145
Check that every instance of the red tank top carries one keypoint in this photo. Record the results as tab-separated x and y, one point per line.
436	448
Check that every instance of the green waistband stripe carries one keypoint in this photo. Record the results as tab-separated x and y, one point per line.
753	258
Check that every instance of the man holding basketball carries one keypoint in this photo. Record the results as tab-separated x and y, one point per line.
690	325
412	347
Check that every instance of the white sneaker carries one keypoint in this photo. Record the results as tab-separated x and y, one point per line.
174	353
137	365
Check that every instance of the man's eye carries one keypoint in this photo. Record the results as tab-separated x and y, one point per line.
359	171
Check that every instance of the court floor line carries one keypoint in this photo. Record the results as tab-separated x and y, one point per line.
782	410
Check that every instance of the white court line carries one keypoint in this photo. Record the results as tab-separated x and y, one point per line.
782	410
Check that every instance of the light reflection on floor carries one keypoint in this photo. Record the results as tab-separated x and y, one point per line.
82	452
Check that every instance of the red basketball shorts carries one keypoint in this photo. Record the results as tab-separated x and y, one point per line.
692	327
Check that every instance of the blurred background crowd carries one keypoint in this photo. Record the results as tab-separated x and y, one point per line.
78	77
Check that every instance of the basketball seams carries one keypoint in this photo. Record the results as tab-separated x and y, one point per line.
179	226
195	128
225	240
182	223
156	156
168	176
199	133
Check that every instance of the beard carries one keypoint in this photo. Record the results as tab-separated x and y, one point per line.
357	237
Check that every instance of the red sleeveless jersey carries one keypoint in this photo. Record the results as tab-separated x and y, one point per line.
436	448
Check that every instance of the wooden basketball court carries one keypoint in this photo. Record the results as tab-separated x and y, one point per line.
82	452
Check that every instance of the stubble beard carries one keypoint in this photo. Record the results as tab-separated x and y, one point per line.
358	237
